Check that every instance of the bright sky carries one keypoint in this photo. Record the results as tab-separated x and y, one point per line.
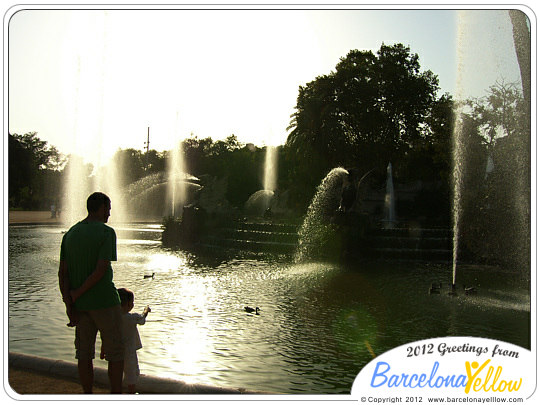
92	81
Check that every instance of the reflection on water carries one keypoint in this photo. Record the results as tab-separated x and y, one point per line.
319	323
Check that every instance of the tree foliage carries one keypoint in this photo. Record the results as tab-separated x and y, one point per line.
373	109
499	113
240	164
495	216
34	171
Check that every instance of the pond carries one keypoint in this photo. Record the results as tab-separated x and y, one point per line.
319	323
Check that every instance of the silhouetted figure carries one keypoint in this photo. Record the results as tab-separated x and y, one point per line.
131	337
85	277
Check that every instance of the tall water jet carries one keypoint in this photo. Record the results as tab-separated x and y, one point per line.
75	191
108	180
80	183
324	203
261	201
521	33
457	151
176	188
88	137
457	175
389	200
270	169
492	221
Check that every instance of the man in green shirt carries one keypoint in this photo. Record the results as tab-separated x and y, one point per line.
92	302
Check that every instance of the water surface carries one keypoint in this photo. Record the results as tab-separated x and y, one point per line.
319	322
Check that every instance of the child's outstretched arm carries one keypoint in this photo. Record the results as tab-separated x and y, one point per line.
139	319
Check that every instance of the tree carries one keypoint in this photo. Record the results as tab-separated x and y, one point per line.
498	113
195	151
30	159
155	161
130	163
373	109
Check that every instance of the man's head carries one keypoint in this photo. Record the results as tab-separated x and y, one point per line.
99	206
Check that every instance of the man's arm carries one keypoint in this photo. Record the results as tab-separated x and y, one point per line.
63	281
101	268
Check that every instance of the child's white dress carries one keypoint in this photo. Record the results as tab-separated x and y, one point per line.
132	342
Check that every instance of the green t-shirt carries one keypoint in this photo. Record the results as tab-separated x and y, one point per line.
82	246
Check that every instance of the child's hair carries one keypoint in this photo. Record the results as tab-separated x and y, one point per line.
125	295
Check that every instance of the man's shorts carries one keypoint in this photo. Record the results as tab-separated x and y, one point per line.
109	323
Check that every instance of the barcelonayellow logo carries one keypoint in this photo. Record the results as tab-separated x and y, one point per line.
453	365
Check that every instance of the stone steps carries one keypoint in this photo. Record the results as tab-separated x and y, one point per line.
250	245
259	236
412	244
396	244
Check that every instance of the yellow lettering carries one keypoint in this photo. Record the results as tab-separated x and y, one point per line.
516	386
502	386
477	383
472	376
488	376
497	374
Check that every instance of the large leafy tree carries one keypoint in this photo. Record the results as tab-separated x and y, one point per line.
374	108
34	171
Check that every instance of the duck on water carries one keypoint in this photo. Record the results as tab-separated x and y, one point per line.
251	310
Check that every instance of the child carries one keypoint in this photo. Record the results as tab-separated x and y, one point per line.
131	336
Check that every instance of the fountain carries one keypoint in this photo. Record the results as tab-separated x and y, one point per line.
458	150
261	201
176	188
150	197
310	311
80	184
270	168
516	158
324	204
89	135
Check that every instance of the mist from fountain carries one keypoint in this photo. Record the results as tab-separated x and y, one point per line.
79	186
457	175
149	197
270	169
519	190
458	146
324	203
176	187
88	132
261	200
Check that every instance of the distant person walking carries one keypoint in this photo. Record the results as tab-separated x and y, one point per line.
92	302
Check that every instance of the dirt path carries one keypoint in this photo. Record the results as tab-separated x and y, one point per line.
29	382
32	217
